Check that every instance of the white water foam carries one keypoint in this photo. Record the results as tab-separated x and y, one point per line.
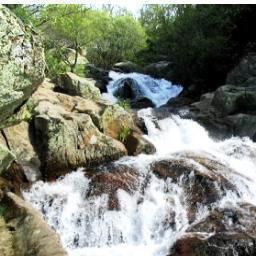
88	228
159	91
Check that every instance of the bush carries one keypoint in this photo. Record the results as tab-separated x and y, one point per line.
124	133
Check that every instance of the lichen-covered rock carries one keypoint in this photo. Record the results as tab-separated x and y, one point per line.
115	120
21	64
32	236
79	86
230	99
66	136
6	158
6	239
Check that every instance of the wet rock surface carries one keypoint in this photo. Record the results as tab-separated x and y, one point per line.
202	178
225	231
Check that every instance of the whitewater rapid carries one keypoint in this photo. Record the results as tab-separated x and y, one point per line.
159	91
88	228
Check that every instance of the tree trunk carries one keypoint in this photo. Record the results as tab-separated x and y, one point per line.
72	68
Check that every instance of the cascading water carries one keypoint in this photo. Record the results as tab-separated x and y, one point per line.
159	91
152	218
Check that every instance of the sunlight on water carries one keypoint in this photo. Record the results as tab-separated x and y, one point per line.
86	225
159	91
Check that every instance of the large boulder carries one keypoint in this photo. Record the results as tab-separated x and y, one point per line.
66	136
127	67
22	64
244	73
230	99
225	231
113	178
201	177
100	75
31	235
160	69
19	139
79	86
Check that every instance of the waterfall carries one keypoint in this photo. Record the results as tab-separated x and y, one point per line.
159	91
154	216
160	198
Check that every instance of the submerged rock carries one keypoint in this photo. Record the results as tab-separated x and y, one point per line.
202	178
22	64
109	179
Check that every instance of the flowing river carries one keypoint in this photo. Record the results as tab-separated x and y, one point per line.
141	225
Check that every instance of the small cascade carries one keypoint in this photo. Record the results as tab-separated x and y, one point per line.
159	91
164	206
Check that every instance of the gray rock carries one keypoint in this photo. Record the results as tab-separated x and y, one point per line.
229	99
79	86
21	64
243	71
6	158
127	67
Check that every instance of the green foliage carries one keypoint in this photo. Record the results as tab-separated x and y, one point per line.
119	38
55	63
125	104
203	41
3	209
124	133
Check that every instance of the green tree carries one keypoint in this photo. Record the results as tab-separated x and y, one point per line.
120	38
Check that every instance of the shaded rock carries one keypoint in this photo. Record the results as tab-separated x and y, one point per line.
142	103
160	69
67	138
79	86
242	125
22	64
243	71
204	105
128	88
136	144
100	75
230	99
202	178
6	158
225	232
32	235
109	179
178	102
19	139
127	67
